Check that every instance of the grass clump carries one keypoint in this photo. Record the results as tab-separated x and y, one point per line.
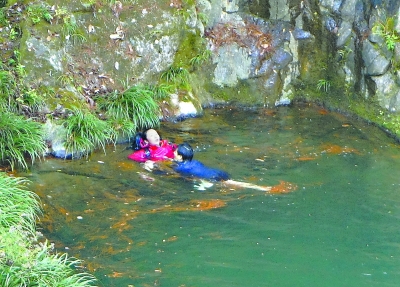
121	128
323	85
30	101
23	260
199	59
14	33
19	207
136	104
70	29
161	91
177	76
85	132
3	18
19	138
133	109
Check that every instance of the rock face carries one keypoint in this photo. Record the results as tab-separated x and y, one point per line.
262	52
101	49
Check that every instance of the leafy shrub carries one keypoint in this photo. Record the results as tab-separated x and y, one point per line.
388	31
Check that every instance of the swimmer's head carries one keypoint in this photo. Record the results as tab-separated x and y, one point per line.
184	152
152	136
145	139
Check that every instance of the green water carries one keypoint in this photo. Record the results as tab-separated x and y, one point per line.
340	227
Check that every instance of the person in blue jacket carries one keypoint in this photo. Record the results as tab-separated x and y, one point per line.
187	166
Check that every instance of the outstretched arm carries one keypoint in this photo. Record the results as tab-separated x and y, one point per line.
247	185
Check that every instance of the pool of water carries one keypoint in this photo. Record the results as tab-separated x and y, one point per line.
332	219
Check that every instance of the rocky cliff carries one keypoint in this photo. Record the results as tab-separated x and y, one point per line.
263	53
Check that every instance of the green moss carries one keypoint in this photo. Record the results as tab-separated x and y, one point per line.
12	2
187	3
242	93
178	75
391	122
217	92
341	98
61	97
191	46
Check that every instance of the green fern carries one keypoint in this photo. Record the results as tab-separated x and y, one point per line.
38	12
388	31
323	85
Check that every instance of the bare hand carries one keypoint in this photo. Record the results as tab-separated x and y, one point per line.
149	165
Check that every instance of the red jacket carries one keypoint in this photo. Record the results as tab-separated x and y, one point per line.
154	153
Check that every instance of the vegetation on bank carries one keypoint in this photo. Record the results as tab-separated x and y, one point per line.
387	29
326	84
117	116
110	118
332	95
25	260
91	122
19	138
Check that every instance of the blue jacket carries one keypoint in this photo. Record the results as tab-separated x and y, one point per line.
197	169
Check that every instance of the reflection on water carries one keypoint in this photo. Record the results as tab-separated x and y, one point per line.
331	218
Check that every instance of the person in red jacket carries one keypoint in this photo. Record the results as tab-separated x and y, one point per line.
149	148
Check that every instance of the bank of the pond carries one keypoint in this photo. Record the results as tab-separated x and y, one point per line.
26	258
359	109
